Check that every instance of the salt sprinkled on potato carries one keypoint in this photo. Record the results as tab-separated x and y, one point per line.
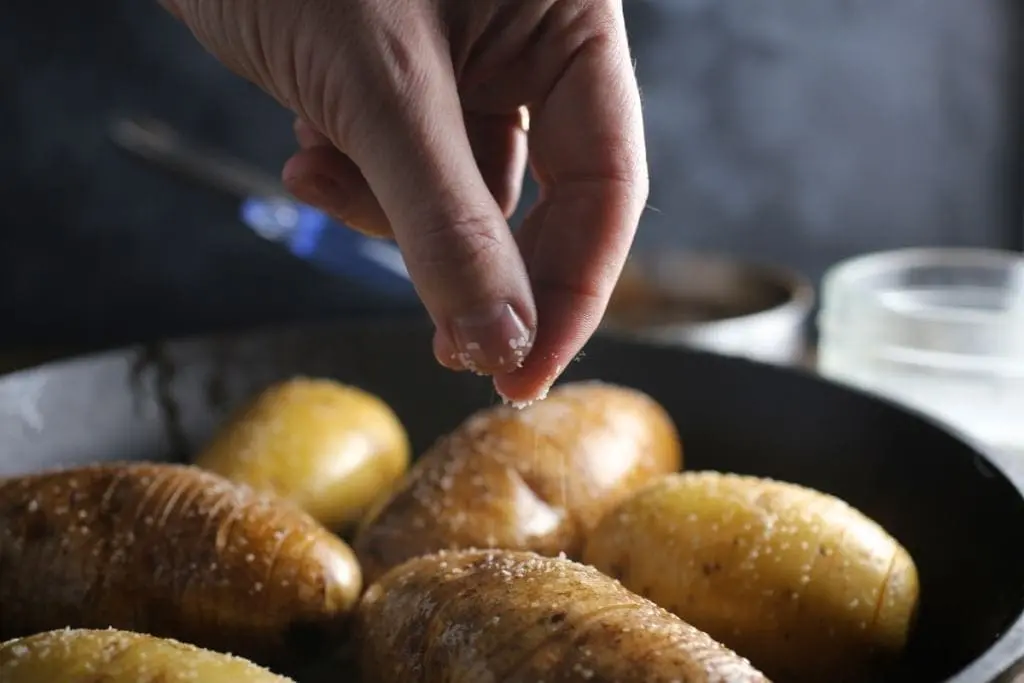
531	479
92	656
806	586
170	551
513	617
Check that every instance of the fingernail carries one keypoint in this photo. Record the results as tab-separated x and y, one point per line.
493	341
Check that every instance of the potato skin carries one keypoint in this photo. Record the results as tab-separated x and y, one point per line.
531	479
518	617
172	551
89	656
330	448
798	581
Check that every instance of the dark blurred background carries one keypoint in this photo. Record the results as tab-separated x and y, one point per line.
797	132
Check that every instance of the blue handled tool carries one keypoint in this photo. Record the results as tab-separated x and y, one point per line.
313	236
269	211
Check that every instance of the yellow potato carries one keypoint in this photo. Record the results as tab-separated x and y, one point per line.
517	617
330	448
175	552
108	656
531	479
798	581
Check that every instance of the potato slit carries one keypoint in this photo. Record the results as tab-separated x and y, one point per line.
108	492
844	530
156	481
282	538
171	501
883	589
224	497
225	526
182	580
577	625
299	550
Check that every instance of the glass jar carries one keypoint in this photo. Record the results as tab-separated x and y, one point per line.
939	329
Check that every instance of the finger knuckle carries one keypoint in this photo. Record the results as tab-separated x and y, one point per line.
461	244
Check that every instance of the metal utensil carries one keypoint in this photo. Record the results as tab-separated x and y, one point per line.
270	211
160	144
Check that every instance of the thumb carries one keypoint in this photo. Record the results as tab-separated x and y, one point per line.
412	147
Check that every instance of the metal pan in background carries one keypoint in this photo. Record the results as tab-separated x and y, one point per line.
713	302
960	513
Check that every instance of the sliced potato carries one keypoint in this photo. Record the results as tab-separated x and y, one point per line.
171	551
532	479
330	448
517	617
109	656
798	581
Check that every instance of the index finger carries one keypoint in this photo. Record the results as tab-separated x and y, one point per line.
587	151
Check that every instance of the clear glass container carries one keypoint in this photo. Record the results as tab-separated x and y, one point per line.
941	330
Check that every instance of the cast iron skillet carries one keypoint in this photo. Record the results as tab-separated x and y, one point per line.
960	514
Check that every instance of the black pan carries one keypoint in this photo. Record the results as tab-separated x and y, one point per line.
960	514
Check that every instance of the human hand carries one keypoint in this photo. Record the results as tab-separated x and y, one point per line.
409	126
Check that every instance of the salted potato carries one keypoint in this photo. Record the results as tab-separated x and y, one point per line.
109	656
330	448
172	551
798	581
531	479
517	617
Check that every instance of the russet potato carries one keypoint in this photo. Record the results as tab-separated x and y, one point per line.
531	479
171	551
517	617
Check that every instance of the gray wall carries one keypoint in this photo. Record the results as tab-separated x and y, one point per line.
805	131
799	131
